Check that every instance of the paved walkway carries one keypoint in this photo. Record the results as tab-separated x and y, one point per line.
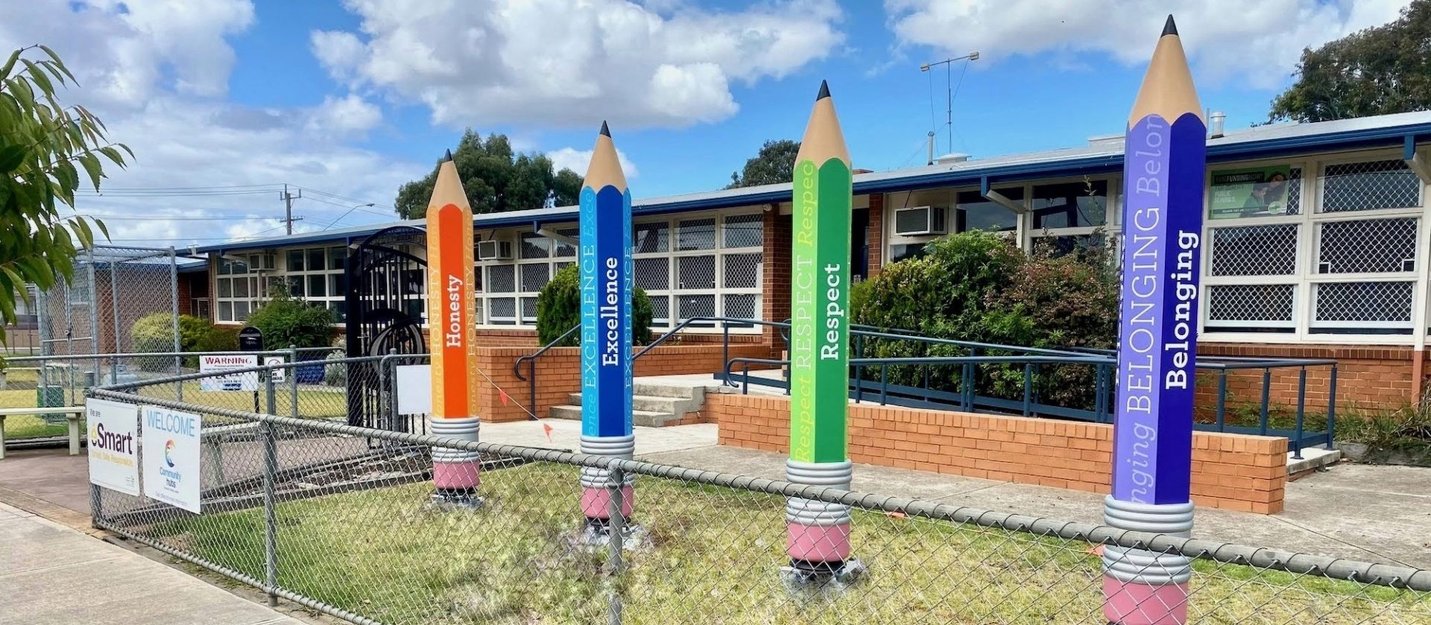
50	573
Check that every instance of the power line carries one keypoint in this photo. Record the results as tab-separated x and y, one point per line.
166	218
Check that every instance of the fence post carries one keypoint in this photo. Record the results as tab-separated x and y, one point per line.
293	381
1301	405
1028	387
1266	397
174	313
615	524
1332	408
114	314
1221	399
270	512
93	327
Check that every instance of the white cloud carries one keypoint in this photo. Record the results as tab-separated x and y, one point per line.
1256	44
570	62
578	160
347	115
157	74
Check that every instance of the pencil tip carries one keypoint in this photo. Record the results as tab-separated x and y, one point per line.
824	91
604	130
1170	27
449	156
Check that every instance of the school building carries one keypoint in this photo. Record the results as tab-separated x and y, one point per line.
1315	245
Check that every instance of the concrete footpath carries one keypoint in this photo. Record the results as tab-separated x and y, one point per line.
50	573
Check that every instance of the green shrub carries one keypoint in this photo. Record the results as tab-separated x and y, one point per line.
285	320
977	286
559	309
155	333
218	339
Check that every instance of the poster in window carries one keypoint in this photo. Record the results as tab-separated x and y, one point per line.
1249	192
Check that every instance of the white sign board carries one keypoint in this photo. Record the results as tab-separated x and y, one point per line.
171	456
414	389
278	374
218	363
113	445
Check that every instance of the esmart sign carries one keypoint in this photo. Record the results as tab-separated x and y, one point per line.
113	448
171	457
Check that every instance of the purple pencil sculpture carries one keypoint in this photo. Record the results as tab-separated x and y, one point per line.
1163	170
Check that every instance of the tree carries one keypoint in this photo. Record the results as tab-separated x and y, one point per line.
496	179
774	164
43	147
1380	70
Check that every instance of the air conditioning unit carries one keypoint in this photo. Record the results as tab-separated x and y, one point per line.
494	249
919	220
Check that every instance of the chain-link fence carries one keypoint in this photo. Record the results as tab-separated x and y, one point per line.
342	519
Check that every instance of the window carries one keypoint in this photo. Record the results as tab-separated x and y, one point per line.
973	212
1369	185
1070	205
1066	215
242	283
693	266
317	276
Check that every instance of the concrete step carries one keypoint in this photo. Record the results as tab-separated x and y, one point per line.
655	403
651	389
644	418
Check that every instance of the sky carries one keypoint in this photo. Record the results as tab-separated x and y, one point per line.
226	101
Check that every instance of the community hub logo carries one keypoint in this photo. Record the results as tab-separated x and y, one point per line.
169	453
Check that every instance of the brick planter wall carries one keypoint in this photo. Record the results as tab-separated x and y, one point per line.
1230	471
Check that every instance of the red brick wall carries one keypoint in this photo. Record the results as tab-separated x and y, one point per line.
874	236
775	290
1368	377
559	374
1229	471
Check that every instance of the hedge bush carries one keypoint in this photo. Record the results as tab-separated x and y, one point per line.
559	309
285	320
155	333
977	286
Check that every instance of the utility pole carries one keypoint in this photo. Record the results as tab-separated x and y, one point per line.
288	198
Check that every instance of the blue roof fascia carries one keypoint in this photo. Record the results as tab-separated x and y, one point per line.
993	176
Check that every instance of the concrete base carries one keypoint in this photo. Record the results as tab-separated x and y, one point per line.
803	576
444	500
1313	458
1131	603
597	534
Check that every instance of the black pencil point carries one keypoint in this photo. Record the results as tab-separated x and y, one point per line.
824	91
449	156
1170	27
604	130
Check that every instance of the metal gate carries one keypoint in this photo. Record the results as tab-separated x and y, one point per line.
386	289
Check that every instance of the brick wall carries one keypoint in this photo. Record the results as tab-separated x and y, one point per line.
1368	377
559	374
1230	471
874	237
775	289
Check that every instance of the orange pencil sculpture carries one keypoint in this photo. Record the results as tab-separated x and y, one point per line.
451	310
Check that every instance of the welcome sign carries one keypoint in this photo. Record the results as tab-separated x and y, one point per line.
171	456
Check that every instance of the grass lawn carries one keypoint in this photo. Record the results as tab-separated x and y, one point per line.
313	402
711	555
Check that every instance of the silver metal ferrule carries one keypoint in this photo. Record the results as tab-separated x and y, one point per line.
812	511
623	447
464	429
1140	565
